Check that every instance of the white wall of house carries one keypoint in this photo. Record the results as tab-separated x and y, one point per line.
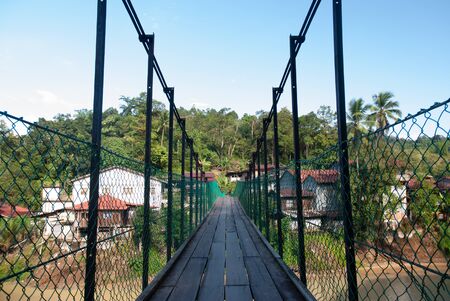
233	178
287	181
120	183
60	226
325	194
53	200
395	205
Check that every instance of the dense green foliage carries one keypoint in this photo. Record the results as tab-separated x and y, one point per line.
223	140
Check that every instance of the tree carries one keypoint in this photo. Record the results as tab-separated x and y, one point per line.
357	114
163	125
383	109
317	131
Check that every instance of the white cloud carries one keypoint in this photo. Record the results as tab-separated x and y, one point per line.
200	105
46	97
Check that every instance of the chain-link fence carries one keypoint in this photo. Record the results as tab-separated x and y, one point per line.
44	216
400	201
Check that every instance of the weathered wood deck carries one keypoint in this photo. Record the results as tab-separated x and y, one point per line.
226	259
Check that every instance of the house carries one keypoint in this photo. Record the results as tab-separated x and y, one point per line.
209	176
319	194
113	215
57	213
234	176
121	190
7	210
413	186
244	173
121	183
399	199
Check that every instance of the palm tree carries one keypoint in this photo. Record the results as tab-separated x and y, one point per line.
383	109
357	116
163	124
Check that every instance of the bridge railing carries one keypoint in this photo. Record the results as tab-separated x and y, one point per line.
378	216
80	221
45	195
400	192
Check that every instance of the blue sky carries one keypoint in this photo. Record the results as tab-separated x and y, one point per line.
221	53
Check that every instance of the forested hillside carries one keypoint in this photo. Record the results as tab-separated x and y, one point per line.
224	140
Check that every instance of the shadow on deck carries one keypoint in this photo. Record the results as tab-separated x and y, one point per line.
226	259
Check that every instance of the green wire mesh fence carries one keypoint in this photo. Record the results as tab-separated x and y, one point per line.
44	197
400	193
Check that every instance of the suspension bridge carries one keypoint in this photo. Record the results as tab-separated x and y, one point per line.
348	224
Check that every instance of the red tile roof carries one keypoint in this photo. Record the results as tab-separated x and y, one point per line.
105	202
245	171
443	183
322	176
7	210
208	175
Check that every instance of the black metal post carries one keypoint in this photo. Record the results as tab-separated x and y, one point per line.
149	39
255	193
202	195
250	192
196	189
245	193
258	156
266	182
245	174
183	181
191	184
293	41
170	91
343	152
275	91
91	248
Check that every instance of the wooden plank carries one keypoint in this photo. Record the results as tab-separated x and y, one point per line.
247	245
238	293
283	282
174	273
261	283
161	294
189	281
284	285
204	245
176	264
229	220
212	287
236	274
219	235
233	247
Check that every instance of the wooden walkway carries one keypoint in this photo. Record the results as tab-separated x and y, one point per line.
226	259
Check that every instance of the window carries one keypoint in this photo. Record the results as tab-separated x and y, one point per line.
107	215
106	190
153	190
128	190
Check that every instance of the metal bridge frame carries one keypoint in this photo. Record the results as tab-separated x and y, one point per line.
295	43
148	41
254	209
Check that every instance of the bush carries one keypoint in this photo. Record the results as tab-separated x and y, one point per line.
13	230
